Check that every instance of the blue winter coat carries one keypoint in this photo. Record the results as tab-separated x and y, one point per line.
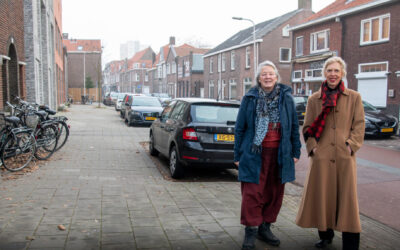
289	147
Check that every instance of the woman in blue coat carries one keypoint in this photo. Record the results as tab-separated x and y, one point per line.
267	146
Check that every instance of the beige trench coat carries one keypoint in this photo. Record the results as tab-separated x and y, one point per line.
330	192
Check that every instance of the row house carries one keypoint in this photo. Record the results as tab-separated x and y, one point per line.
111	77
160	81
364	33
229	68
184	70
39	35
12	54
84	60
134	73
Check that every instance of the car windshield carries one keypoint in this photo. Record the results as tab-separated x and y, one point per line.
121	96
114	94
369	106
214	113
145	101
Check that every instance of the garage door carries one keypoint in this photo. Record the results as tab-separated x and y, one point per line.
373	90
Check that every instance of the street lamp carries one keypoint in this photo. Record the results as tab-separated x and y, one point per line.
254	43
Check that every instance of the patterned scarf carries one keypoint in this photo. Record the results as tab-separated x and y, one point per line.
329	100
267	111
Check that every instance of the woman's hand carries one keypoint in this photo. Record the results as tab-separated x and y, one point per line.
295	160
236	163
314	150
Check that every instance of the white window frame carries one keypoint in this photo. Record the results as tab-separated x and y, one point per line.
309	74
369	20
146	76
232	82
297	79
248	57
289	55
219	63
232	60
299	53
136	77
246	82
211	84
285	31
314	41
211	64
173	68
223	62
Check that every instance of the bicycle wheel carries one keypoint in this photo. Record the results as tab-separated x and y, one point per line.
18	151
46	141
63	133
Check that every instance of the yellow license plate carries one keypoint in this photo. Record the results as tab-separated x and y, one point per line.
224	137
387	130
149	118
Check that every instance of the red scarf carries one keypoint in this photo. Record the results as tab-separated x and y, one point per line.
329	100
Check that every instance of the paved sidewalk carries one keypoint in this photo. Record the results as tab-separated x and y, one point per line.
106	191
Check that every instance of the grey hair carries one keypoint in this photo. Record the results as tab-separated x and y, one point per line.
267	63
335	59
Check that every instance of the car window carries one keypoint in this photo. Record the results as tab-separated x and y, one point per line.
368	106
145	101
300	99
214	113
177	110
167	111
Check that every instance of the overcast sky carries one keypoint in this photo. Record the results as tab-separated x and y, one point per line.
152	22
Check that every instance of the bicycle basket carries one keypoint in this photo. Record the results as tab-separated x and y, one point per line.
32	120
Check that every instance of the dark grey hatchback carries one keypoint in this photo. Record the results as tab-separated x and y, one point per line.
195	131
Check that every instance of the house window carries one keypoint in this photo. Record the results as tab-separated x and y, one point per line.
173	69
247	57
146	76
219	63
246	84
284	55
297	75
223	62
319	41
232	89
373	67
313	73
211	89
299	45
136	77
233	60
79	48
211	64
375	29
285	31
168	68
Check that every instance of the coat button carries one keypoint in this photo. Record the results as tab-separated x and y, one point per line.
333	161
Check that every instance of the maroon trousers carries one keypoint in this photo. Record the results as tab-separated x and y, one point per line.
262	202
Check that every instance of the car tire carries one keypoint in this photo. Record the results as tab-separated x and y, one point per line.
175	166
153	151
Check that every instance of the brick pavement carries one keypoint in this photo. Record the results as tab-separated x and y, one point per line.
106	191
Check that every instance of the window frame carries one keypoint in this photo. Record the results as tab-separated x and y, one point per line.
232	82
233	59
211	84
314	41
289	55
211	65
248	62
369	20
302	46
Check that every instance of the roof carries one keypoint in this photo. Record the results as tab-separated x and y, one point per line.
75	45
185	50
340	8
141	58
245	36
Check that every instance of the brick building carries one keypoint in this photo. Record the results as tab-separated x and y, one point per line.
84	60
12	54
229	68
39	31
364	33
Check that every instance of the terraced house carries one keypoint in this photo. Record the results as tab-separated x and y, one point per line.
365	34
229	68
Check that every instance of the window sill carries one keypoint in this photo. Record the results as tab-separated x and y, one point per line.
374	43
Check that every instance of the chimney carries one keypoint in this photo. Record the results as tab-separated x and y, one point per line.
305	4
172	40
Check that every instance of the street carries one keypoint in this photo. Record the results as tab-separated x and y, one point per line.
103	190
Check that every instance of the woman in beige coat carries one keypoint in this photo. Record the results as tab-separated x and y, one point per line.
334	131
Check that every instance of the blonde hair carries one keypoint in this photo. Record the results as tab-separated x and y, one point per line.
336	59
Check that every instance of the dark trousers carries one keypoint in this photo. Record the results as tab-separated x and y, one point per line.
262	202
350	241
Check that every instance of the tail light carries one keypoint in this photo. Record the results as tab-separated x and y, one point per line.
189	134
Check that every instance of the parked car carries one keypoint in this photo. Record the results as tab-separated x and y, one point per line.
142	110
377	123
118	103
301	104
110	98
195	131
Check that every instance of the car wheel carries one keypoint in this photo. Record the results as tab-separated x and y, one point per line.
152	150
175	166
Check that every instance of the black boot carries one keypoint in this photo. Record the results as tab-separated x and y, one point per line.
249	238
350	241
265	234
325	238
